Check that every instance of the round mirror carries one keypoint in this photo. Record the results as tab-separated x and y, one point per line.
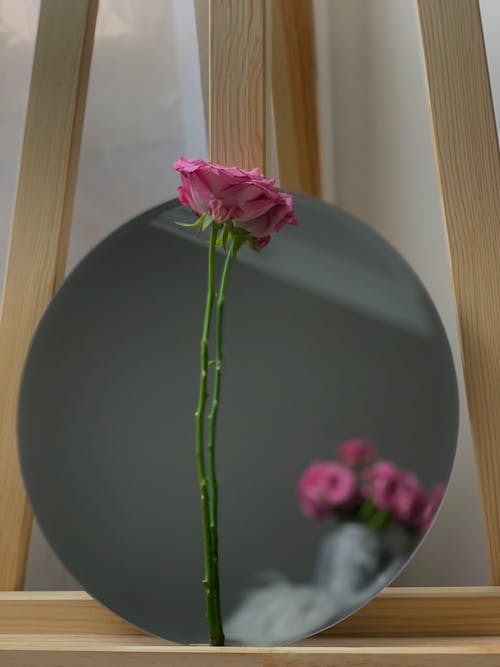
337	429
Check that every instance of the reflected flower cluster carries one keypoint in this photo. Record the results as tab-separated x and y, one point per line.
358	487
379	512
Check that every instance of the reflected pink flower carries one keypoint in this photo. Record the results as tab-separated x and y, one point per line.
394	490
326	486
379	483
433	499
408	498
356	452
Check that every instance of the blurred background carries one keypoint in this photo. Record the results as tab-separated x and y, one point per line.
145	108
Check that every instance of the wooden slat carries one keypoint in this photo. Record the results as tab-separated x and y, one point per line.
58	612
237	83
120	651
201	12
39	238
293	85
397	612
426	612
469	167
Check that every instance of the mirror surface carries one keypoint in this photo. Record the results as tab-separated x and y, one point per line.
329	337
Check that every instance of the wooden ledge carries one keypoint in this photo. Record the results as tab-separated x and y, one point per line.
129	651
426	612
396	612
403	627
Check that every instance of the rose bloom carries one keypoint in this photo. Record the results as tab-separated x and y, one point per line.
230	194
433	499
356	452
408	499
395	490
326	486
379	483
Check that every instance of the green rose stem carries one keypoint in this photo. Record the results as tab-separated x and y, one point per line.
215	634
213	490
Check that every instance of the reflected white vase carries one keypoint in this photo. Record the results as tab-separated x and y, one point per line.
354	562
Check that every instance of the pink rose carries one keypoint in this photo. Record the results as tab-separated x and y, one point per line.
326	486
394	490
230	194
356	452
408	499
379	483
258	244
432	501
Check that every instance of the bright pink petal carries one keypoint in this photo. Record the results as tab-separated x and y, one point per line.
246	198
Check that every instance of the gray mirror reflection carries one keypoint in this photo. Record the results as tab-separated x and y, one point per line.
330	339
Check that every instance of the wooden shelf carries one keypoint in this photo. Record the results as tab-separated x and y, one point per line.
132	651
396	612
53	629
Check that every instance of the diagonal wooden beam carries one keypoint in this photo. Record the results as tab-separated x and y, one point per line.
39	237
468	161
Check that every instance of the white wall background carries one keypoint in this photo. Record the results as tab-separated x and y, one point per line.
145	109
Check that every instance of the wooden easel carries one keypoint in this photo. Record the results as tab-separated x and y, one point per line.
402	627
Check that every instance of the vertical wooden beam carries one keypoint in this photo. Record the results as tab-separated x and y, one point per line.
201	13
39	237
469	167
237	83
293	84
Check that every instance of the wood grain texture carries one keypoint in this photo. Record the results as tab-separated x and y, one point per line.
120	651
58	612
201	13
237	83
469	168
397	612
39	237
293	86
425	612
